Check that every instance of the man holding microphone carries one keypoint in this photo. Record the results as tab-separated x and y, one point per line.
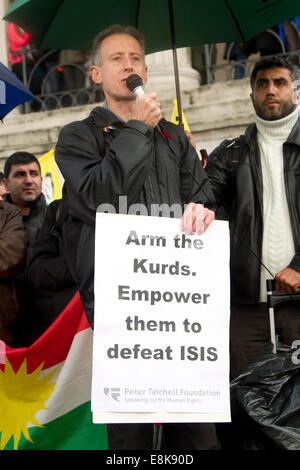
126	148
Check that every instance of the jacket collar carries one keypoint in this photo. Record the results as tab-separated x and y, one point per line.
40	201
294	137
102	116
250	133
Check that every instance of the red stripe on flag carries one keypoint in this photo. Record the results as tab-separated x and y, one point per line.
53	346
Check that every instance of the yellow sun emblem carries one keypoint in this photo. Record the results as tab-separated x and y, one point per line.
21	396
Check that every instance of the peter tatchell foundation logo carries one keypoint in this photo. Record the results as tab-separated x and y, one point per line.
113	393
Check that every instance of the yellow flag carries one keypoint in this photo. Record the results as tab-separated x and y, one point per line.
174	117
52	178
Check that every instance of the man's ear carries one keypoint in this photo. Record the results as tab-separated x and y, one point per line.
5	183
96	74
145	78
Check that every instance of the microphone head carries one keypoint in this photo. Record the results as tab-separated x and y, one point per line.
133	81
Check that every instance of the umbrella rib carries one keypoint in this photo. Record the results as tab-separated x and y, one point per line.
176	70
235	20
137	14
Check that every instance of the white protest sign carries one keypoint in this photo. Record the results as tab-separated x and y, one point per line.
161	334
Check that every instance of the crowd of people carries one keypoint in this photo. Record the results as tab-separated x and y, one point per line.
49	251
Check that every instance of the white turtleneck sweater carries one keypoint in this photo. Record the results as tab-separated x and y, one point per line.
278	245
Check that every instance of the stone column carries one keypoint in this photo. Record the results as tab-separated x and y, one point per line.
161	71
4	4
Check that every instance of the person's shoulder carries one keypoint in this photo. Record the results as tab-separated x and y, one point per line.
9	207
99	116
73	127
74	135
223	147
227	144
9	211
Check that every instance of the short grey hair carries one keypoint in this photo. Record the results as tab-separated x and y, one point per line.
111	30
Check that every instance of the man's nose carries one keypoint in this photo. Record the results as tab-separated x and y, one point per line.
271	88
128	63
28	178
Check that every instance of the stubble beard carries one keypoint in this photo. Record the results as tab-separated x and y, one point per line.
275	114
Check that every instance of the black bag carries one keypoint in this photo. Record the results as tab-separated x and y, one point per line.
265	403
265	399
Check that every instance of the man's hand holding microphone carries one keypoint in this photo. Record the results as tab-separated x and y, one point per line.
146	107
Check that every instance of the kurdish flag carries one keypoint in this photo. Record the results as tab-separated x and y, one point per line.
45	389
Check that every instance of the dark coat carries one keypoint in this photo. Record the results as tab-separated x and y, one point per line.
30	298
33	221
48	271
132	160
234	170
12	261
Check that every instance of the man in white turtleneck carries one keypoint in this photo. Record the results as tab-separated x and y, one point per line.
257	178
274	126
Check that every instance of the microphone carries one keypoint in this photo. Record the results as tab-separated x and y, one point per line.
135	84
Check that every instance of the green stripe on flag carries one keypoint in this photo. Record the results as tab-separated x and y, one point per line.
72	431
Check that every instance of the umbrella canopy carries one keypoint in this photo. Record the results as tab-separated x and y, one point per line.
12	91
69	24
166	24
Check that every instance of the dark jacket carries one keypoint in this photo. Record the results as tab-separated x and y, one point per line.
148	166
12	261
234	170
33	221
48	271
30	298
